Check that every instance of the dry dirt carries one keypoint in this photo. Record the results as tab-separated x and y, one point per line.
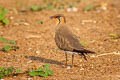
37	46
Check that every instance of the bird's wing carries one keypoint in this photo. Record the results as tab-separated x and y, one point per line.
67	40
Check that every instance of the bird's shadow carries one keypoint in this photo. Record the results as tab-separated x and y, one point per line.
44	60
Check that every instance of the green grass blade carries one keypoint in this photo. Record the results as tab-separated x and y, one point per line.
3	40
6	48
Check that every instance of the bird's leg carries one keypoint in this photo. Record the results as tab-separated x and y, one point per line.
87	54
72	59
66	58
84	56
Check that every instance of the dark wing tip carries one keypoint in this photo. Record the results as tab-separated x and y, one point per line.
87	51
84	51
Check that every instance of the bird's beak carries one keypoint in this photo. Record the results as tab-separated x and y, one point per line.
51	17
54	18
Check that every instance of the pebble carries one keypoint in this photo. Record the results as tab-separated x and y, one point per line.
22	20
104	6
11	17
38	52
82	69
68	67
75	9
14	76
30	61
98	11
69	9
94	21
29	49
88	21
26	24
29	79
1	32
16	24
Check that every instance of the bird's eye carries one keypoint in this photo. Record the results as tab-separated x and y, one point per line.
53	18
57	16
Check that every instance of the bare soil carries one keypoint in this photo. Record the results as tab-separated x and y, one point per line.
37	46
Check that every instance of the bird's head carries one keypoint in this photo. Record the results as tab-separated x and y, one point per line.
59	18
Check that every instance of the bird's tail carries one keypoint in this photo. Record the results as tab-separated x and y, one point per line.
87	51
84	51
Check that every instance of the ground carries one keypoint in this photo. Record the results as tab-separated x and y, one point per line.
37	46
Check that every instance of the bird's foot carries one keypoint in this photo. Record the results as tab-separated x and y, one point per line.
69	66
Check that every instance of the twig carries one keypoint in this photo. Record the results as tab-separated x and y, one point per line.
114	53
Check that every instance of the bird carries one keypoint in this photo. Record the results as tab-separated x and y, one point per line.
66	40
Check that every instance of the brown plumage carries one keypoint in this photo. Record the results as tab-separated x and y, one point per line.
66	40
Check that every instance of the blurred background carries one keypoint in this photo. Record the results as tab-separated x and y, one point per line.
27	37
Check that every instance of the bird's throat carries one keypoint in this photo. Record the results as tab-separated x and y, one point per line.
60	21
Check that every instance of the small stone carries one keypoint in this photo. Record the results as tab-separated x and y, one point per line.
104	6
93	48
94	21
75	9
11	18
98	11
1	32
29	79
29	49
68	67
30	61
26	24
82	69
88	21
14	76
69	9
16	24
38	52
22	20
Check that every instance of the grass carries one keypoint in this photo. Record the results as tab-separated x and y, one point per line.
37	7
72	4
53	5
10	45
89	8
84	43
42	71
41	22
3	18
8	71
114	36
